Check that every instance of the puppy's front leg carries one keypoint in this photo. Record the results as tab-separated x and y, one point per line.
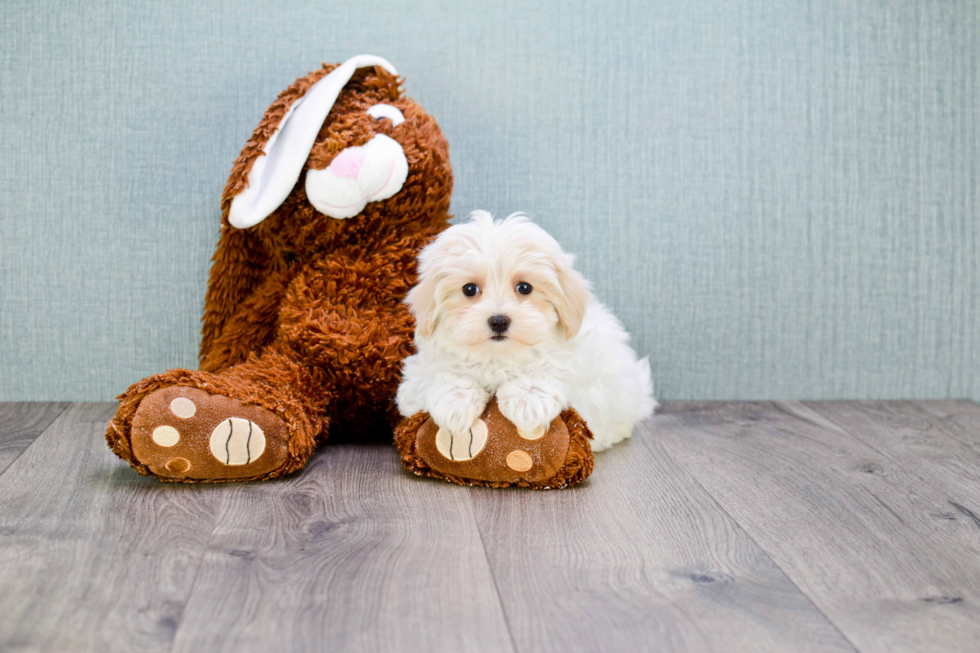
455	402
531	404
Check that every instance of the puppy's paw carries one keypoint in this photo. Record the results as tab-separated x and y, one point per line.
456	408
530	407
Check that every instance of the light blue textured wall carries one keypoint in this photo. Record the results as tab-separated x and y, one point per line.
780	199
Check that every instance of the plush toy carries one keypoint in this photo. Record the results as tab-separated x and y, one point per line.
343	182
494	454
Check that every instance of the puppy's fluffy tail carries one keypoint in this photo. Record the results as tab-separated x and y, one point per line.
647	403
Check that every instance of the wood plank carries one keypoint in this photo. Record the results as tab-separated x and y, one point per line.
354	554
94	557
639	558
866	547
944	453
959	420
20	424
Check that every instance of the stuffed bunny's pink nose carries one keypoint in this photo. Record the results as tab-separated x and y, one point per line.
348	163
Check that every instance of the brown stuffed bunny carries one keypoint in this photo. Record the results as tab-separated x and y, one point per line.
343	182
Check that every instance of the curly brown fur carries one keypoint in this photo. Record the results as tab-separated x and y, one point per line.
578	461
303	313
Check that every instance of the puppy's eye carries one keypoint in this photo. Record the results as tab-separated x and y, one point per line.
379	111
471	289
524	288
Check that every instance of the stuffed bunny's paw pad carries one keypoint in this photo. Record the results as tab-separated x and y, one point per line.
184	433
494	452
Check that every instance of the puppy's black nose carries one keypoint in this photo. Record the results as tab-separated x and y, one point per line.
499	323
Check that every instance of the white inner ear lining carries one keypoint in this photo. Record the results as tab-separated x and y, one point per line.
379	111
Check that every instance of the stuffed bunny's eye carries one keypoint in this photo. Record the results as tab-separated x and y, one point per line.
379	111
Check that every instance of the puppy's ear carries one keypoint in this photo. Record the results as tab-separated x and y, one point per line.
422	303
572	299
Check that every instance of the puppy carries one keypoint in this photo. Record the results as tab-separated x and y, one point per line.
500	312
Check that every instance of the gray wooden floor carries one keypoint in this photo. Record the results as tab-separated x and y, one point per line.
847	526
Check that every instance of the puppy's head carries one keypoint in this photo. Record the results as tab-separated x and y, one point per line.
497	287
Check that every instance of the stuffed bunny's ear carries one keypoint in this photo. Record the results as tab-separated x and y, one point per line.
275	171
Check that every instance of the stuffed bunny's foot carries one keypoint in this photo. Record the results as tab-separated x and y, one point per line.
184	433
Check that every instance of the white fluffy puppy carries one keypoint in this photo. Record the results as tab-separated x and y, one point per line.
500	311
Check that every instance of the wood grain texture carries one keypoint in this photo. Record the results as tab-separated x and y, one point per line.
20	424
944	457
958	420
720	527
871	550
639	558
92	556
352	554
